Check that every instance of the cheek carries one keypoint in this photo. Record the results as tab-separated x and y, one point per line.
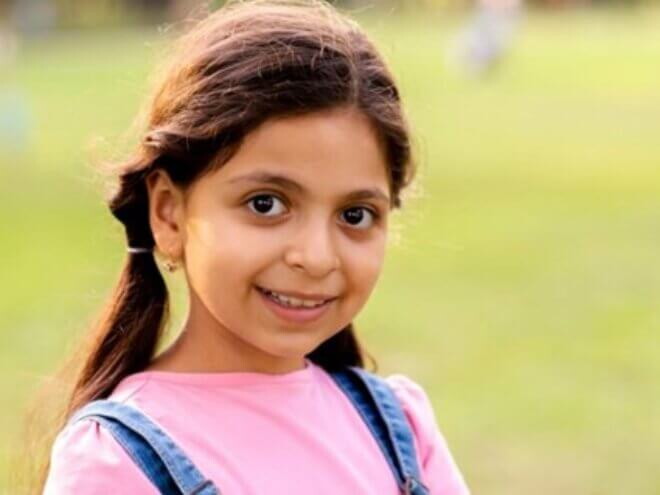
215	250
363	264
226	252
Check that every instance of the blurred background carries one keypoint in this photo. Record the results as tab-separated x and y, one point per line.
521	288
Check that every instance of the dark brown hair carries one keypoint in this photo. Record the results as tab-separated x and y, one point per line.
239	66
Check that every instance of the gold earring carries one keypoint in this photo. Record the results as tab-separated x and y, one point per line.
170	265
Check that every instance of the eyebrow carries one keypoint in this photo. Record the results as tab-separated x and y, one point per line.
287	183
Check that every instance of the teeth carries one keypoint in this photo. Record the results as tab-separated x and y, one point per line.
293	301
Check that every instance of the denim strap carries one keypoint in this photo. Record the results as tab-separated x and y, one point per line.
382	412
162	461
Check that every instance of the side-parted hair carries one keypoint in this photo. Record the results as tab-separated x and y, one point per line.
239	66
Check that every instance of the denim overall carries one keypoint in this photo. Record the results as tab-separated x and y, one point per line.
170	470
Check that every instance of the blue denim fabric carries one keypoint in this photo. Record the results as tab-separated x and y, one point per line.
382	412
162	461
172	472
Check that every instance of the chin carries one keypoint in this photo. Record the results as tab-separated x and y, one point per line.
294	350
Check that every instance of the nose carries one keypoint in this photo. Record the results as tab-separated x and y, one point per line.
313	250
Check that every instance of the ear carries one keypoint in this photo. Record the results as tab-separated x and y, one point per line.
166	214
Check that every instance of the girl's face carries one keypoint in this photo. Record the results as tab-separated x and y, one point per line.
301	209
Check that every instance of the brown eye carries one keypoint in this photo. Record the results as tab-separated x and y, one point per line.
356	216
265	203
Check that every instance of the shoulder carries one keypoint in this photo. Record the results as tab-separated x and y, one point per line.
439	470
86	458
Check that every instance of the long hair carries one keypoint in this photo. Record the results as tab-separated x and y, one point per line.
239	66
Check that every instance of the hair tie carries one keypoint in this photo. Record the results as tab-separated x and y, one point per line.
131	249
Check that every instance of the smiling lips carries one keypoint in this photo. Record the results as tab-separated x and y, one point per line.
297	299
294	309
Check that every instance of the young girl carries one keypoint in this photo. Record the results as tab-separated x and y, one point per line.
274	150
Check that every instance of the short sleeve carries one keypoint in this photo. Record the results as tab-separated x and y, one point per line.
86	458
439	470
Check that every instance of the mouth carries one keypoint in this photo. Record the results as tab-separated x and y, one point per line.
293	309
293	302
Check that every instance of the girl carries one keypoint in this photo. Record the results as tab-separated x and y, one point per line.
275	148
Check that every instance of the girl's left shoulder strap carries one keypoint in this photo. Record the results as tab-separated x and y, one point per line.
383	413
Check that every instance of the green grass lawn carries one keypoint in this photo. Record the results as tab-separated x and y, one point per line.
522	284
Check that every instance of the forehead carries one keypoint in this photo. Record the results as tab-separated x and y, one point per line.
329	153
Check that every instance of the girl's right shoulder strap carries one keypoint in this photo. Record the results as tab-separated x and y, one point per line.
162	461
382	412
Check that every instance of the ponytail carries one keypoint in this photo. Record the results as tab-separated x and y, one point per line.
122	341
127	333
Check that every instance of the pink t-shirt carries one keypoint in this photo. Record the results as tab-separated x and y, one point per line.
254	434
